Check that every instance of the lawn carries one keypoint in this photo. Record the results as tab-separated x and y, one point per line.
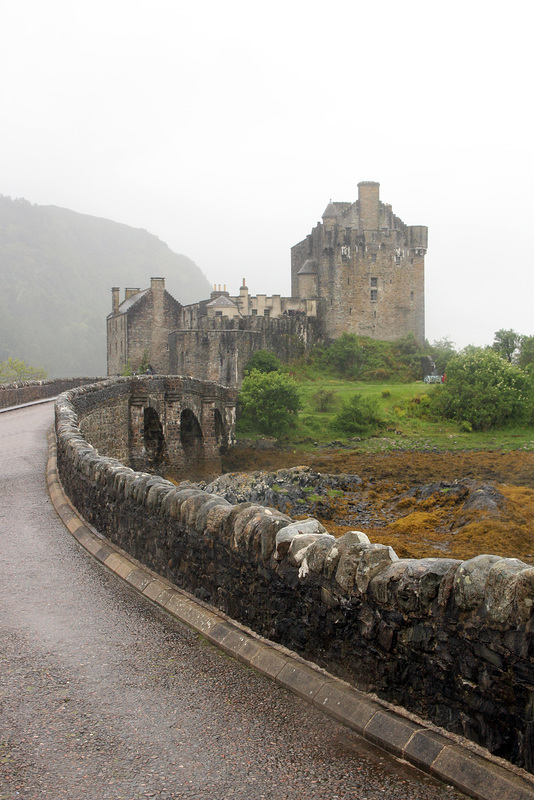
402	409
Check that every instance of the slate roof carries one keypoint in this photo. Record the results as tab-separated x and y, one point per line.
309	267
222	300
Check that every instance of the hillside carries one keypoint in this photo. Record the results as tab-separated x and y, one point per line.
57	268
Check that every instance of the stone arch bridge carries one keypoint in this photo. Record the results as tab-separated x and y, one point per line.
175	425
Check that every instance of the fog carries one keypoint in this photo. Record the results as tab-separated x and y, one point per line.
225	129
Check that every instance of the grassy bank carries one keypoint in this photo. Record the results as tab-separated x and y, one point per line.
405	424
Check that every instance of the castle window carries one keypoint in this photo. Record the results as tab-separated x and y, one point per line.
374	294
374	282
373	257
411	296
266	312
254	312
218	313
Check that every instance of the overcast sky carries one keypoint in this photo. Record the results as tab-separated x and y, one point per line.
226	127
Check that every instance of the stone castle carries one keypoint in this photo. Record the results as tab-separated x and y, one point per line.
360	270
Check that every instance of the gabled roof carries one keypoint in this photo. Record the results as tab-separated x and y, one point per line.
127	304
222	300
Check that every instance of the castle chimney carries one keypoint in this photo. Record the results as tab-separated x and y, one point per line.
115	299
368	199
157	284
129	292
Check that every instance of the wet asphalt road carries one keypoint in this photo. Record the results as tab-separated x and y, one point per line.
104	697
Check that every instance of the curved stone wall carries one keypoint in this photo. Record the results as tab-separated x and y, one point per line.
451	641
15	394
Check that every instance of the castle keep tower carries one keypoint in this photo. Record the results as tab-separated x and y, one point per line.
364	268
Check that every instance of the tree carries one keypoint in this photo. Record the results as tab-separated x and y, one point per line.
263	361
271	401
483	390
14	369
525	358
506	343
346	355
441	352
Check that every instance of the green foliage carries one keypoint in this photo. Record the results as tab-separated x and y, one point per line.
270	402
506	343
13	370
263	361
359	415
324	400
362	358
143	366
483	390
127	370
441	352
345	356
525	358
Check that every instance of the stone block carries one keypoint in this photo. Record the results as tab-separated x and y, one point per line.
301	680
478	777
390	731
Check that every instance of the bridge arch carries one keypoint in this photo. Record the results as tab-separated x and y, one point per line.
179	424
153	437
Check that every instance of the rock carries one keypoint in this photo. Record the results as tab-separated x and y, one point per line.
299	545
501	588
317	552
470	581
285	536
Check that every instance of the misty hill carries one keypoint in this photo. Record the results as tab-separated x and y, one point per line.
57	268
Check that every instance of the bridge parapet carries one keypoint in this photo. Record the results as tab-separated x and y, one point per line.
450	641
20	392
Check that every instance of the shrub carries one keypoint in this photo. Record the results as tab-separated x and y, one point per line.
270	401
357	416
483	390
263	361
324	400
346	356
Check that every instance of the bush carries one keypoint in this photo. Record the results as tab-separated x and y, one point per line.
345	356
324	400
269	401
484	391
357	416
263	361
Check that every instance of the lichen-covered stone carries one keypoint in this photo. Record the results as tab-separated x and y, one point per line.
470	581
285	536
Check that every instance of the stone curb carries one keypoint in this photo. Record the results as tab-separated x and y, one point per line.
431	751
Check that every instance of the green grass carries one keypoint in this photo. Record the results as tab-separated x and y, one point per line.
404	428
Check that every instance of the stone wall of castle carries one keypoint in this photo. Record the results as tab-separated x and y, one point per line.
448	640
145	327
219	348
